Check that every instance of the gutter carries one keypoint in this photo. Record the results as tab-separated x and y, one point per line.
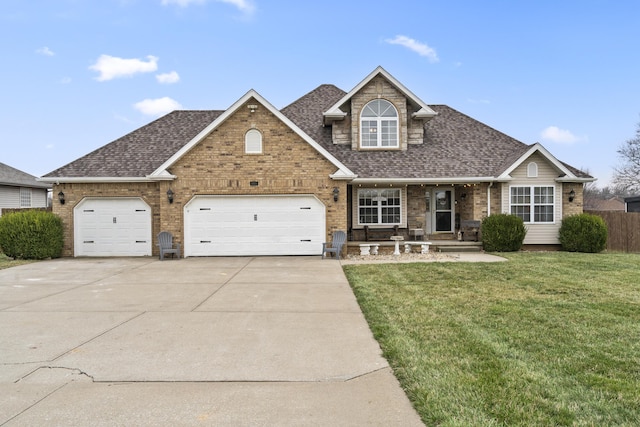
100	180
434	181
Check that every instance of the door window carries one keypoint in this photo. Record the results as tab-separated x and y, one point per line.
443	210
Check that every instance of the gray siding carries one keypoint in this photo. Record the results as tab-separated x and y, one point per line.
10	197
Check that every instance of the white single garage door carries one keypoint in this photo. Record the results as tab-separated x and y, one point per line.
254	225
112	226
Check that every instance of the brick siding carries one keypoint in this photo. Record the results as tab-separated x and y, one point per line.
218	165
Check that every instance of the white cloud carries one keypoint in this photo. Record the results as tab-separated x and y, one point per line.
168	78
112	67
65	80
562	136
243	5
157	107
421	49
45	51
246	6
182	3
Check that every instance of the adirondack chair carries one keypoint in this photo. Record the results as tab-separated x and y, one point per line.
165	242
339	237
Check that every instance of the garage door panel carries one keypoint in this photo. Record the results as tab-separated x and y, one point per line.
254	225
112	227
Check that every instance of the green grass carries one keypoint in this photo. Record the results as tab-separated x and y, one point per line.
546	339
6	262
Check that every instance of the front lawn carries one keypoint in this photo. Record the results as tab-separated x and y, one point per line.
545	339
6	262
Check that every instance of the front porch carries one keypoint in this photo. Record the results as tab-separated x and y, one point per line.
439	243
435	213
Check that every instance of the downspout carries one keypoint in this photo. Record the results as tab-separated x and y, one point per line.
489	198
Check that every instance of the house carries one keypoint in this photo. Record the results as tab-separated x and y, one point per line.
255	180
611	204
20	190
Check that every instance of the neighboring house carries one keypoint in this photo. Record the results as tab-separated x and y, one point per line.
611	204
20	190
632	204
255	180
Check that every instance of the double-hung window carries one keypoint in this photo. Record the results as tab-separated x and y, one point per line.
379	125
381	207
534	204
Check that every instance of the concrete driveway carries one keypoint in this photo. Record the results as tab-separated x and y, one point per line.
199	341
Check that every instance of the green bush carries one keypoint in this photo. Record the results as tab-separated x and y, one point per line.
503	233
583	233
31	235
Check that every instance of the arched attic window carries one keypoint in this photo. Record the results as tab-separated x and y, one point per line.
532	170
253	142
379	125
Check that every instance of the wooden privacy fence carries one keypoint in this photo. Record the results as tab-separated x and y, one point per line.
623	228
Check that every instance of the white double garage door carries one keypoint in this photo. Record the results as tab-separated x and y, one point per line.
213	226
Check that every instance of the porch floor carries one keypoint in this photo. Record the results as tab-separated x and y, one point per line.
438	245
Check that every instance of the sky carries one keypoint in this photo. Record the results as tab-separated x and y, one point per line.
77	74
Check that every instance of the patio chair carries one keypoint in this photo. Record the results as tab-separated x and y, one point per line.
339	237
165	243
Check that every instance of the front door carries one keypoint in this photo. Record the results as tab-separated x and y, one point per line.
443	211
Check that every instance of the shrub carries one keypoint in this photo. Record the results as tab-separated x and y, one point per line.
31	235
583	233
503	233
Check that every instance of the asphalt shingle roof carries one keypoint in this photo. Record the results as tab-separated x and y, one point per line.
14	177
142	151
455	145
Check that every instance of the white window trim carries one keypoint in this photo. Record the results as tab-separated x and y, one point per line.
379	224
532	170
379	120
251	146
532	203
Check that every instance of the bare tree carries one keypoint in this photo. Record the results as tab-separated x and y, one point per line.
627	176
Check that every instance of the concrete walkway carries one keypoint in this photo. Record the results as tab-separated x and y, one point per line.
202	341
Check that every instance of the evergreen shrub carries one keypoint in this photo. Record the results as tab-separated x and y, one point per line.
503	233
583	233
31	234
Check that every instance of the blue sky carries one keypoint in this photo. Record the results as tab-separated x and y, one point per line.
77	74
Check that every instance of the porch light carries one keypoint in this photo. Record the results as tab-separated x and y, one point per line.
170	195
336	192
61	198
463	196
572	195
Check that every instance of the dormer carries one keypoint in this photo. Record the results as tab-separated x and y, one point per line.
378	114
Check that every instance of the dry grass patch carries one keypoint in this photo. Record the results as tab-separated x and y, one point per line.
6	262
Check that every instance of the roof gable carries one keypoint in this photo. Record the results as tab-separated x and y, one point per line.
335	111
563	170
161	172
